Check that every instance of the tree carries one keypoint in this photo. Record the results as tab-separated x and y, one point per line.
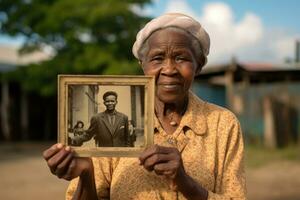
85	36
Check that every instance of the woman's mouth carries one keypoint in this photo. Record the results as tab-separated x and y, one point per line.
170	86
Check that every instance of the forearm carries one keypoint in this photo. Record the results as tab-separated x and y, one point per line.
79	139
86	188
190	188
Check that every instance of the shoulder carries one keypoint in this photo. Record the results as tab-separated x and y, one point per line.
122	115
207	107
214	114
217	122
220	112
222	123
98	115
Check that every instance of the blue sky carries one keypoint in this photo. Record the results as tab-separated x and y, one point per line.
273	12
252	31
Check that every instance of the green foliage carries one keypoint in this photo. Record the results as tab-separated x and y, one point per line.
257	155
87	37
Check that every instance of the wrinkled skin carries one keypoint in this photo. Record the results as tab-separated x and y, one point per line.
172	61
63	164
165	161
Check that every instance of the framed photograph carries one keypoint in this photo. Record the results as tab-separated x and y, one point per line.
109	116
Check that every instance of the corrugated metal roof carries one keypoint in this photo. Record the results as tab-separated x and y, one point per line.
252	67
270	66
214	68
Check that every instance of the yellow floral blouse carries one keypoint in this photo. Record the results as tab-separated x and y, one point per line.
210	141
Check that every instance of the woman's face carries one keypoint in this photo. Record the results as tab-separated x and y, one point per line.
171	59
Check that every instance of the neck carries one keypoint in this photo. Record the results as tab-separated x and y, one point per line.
164	109
110	111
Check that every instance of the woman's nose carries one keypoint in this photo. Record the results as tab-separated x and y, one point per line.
169	68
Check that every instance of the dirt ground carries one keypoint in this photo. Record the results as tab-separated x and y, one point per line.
24	175
278	180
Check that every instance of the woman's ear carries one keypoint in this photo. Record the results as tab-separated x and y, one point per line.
198	70
201	63
141	65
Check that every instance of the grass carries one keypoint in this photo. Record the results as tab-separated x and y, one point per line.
256	156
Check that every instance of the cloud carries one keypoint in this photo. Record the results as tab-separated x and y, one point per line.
247	39
227	36
284	47
179	6
141	10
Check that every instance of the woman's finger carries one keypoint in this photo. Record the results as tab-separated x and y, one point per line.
155	159
48	153
77	166
69	175
165	169
56	159
62	168
155	149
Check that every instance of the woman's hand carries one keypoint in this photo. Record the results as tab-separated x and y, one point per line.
63	164
164	161
167	161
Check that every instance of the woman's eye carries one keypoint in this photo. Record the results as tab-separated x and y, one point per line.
179	58
157	58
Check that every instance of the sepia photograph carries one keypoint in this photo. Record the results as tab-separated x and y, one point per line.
213	114
105	115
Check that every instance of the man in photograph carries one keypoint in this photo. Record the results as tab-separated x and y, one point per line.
109	128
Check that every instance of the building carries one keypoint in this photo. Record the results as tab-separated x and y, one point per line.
265	98
21	115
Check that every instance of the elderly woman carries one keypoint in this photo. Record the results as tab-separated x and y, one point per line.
198	151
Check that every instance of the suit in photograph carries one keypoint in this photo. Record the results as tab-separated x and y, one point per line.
107	132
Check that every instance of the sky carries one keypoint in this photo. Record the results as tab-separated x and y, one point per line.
250	31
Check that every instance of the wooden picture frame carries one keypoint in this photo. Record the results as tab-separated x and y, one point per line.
81	98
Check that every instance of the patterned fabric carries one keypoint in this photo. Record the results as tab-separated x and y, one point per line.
211	144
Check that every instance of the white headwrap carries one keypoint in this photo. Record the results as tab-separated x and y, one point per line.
178	20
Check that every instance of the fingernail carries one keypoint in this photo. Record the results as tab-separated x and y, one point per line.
68	148
59	146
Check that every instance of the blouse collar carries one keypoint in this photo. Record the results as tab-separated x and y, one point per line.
194	117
